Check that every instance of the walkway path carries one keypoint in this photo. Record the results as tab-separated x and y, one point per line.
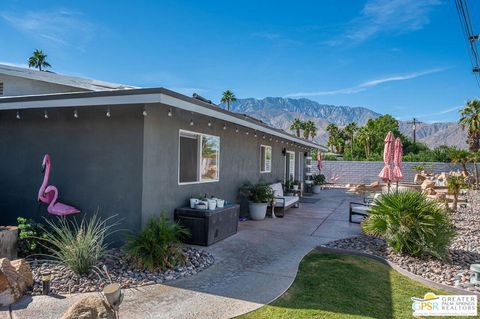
251	268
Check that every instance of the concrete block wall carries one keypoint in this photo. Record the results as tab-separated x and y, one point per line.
344	172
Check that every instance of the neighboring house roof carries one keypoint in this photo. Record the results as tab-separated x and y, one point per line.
114	98
72	81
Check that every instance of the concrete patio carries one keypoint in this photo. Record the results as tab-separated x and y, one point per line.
251	268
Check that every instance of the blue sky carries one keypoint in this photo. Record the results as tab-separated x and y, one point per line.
402	57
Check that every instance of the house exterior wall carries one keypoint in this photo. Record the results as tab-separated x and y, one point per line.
239	160
16	86
96	162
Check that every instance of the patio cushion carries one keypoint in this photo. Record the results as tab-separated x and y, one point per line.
289	200
360	209
277	189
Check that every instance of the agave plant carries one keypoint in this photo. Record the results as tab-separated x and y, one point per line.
77	246
410	223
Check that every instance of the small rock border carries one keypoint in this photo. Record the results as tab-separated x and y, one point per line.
65	281
454	271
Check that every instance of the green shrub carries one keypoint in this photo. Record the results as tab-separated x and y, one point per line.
77	246
29	232
156	247
258	193
410	223
319	179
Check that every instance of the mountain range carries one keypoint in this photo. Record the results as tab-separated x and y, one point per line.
279	112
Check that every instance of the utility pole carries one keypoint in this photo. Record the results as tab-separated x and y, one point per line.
414	127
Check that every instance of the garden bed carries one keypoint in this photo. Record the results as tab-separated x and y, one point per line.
64	281
454	271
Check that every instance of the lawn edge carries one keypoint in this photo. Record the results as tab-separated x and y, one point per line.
406	273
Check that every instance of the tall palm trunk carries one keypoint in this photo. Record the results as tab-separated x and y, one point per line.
464	167
298	132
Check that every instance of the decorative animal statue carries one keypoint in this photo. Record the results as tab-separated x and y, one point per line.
48	194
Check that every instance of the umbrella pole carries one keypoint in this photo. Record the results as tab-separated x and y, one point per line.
397	186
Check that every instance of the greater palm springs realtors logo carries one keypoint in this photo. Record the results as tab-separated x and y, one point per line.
445	305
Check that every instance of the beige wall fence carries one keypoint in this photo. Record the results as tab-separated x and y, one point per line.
344	172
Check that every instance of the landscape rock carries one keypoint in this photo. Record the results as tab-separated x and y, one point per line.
90	307
24	272
15	278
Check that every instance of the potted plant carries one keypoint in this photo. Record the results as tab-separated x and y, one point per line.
318	180
295	185
259	196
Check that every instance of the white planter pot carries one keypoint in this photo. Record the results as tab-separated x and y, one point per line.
258	211
220	203
193	202
316	189
295	187
212	204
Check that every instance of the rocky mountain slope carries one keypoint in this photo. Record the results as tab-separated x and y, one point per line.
279	112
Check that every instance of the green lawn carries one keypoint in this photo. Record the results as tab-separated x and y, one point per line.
343	286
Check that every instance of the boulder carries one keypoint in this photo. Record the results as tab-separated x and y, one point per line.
419	178
8	242
426	184
15	278
430	191
24	272
90	307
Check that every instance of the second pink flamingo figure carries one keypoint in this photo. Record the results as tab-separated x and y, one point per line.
48	194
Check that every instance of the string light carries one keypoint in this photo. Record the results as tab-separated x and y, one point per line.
75	113
263	136
270	139
224	127
209	124
144	112
191	123
247	132
18	115
255	135
236	130
108	114
45	114
169	112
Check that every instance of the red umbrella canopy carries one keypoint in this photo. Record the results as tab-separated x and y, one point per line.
387	172
397	160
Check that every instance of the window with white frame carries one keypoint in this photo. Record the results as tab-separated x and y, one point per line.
199	158
265	159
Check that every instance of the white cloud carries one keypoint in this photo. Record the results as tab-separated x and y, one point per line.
386	17
441	112
60	27
368	84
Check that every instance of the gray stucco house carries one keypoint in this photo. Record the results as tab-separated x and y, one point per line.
128	151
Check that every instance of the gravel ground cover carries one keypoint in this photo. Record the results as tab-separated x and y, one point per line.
64	281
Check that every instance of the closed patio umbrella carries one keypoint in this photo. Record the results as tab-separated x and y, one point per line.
397	161
386	174
319	161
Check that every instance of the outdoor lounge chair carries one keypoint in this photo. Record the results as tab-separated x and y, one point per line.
361	209
282	202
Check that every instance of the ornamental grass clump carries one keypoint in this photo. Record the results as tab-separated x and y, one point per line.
410	223
157	245
77	246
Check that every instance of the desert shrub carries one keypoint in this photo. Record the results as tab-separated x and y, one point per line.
28	233
156	247
410	223
77	246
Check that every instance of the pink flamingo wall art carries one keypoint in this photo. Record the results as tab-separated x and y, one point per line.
48	194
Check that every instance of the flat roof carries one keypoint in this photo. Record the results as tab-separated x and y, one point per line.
115	98
66	80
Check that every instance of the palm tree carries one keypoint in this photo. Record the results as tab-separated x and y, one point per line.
296	126
350	130
332	131
474	158
309	129
462	157
470	120
228	97
454	184
366	136
38	60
